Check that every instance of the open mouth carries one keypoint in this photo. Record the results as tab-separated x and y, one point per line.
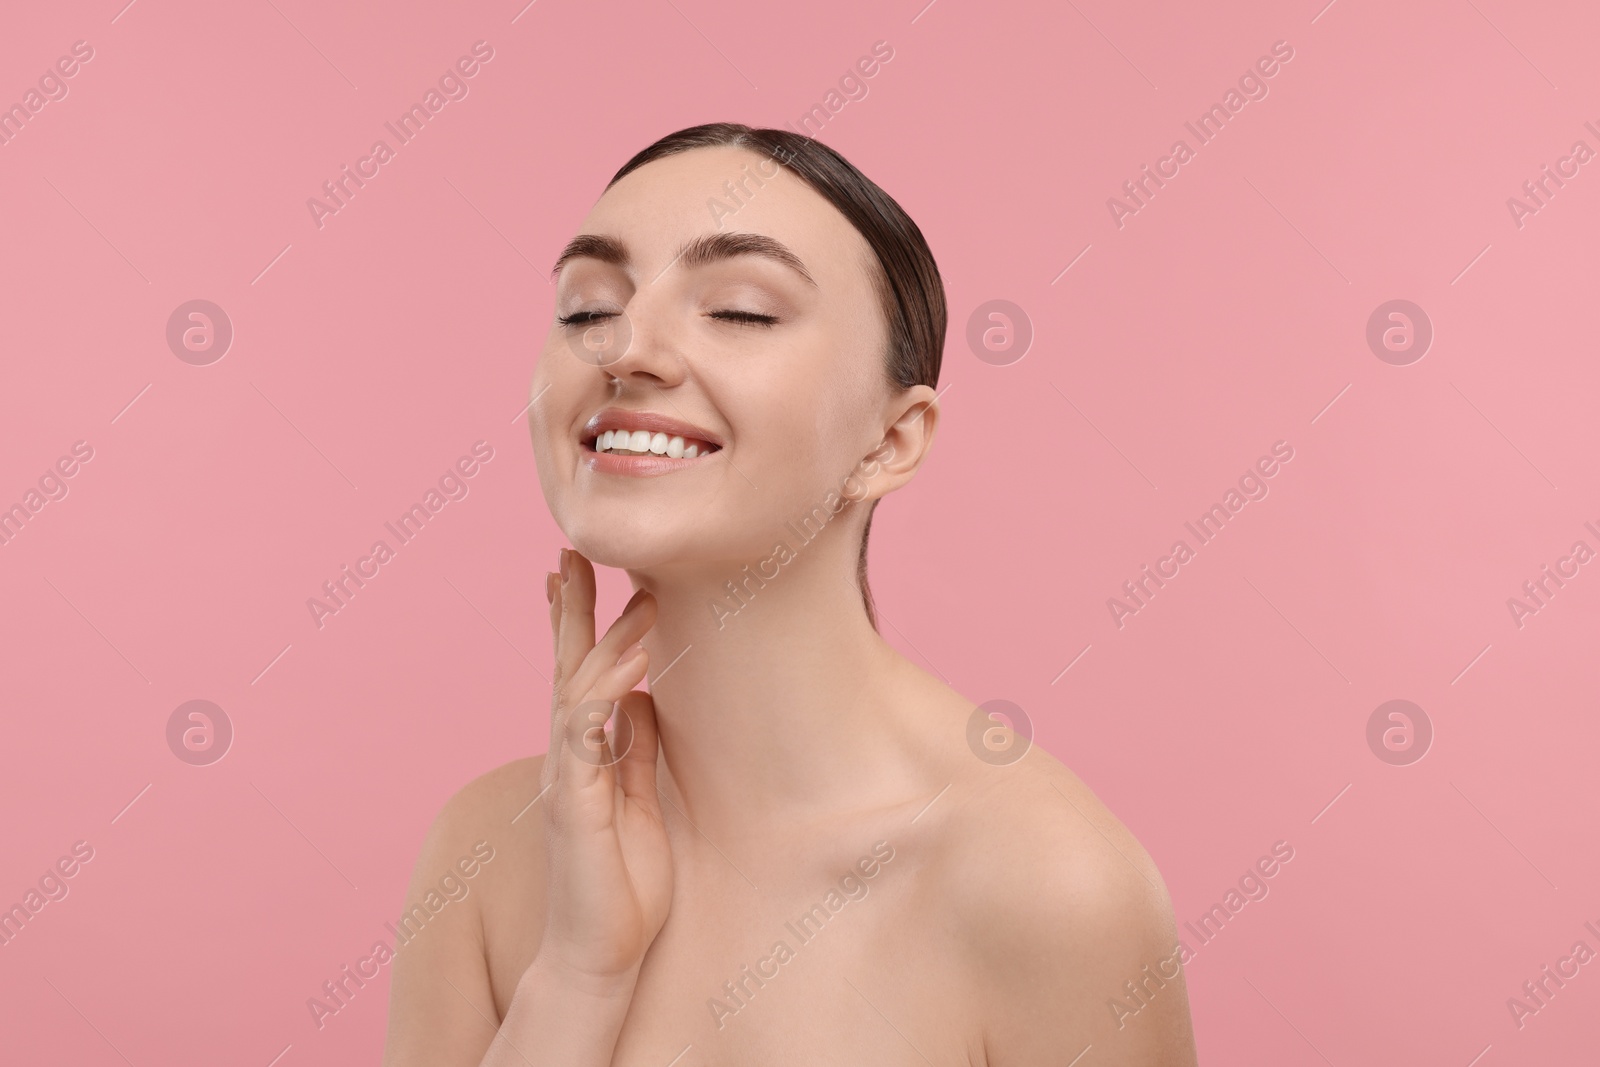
625	442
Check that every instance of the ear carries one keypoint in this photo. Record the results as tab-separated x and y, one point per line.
913	417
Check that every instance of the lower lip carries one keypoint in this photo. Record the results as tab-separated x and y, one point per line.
640	466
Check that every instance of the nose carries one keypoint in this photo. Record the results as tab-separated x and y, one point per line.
636	344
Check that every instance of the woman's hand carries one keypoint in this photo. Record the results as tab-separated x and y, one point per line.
609	867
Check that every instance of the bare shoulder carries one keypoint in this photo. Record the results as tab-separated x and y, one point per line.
1059	907
452	969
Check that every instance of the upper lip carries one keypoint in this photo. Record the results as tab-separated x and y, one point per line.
654	422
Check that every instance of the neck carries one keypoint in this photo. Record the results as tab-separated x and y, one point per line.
772	691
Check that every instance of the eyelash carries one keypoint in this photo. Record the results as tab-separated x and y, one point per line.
740	318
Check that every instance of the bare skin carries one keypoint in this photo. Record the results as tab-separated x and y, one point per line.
800	856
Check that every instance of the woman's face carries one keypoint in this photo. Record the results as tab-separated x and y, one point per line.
780	371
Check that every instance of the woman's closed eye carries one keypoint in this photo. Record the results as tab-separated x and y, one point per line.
741	318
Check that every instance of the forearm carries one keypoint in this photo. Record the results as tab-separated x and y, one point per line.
560	1017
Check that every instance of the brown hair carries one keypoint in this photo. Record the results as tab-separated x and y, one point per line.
907	280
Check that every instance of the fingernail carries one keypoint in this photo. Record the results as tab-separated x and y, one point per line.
630	653
564	567
550	586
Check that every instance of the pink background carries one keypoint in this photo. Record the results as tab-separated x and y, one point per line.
1229	313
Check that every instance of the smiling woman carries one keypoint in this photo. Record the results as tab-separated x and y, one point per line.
699	387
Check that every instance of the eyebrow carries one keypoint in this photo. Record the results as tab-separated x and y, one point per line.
703	250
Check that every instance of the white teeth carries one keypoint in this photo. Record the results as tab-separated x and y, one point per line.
641	442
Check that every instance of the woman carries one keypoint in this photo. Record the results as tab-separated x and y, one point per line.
797	847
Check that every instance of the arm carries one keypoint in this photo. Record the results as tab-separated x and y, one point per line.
607	875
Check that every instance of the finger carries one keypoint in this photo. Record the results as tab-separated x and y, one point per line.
575	636
636	766
586	756
629	627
